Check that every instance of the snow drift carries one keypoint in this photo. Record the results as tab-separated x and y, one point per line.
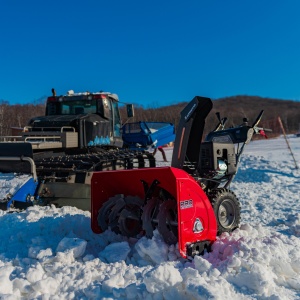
51	253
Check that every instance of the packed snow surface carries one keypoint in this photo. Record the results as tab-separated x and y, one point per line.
10	183
52	253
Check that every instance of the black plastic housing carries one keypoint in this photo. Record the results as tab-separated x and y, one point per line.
189	134
211	152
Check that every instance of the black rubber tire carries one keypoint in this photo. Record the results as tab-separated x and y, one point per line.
227	209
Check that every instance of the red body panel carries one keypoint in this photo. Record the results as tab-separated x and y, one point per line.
177	182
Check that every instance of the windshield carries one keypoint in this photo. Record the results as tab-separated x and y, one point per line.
78	107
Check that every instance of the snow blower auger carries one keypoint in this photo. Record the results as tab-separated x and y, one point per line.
189	203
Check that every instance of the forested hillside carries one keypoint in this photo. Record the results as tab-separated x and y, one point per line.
234	108
17	115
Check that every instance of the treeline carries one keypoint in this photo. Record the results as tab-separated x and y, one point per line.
234	108
17	115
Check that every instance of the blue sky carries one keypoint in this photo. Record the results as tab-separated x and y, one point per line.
151	53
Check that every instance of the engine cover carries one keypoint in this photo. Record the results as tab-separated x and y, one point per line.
212	153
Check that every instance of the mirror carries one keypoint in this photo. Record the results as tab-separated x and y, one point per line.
130	110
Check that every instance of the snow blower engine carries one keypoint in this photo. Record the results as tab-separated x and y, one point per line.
189	203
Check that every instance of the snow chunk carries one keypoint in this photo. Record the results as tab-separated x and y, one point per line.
74	245
6	286
21	284
46	286
201	264
115	252
39	253
154	250
44	253
161	277
114	281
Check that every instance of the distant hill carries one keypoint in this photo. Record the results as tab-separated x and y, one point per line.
238	107
235	109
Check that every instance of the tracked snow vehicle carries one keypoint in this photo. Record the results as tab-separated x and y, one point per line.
79	134
189	203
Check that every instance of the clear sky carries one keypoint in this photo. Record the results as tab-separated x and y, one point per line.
150	52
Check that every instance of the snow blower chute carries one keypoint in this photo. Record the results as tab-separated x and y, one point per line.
188	203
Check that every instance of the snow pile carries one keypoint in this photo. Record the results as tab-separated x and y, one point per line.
10	183
51	253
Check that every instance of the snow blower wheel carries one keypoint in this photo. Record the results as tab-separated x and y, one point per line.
227	209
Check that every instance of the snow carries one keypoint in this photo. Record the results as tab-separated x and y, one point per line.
7	188
52	253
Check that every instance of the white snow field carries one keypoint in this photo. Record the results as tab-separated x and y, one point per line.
52	253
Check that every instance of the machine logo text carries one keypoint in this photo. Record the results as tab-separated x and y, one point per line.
186	204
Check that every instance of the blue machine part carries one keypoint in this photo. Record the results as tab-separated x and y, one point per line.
147	134
26	193
99	141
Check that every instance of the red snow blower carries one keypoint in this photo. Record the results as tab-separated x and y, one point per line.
188	203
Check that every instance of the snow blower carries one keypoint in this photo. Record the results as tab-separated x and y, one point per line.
189	203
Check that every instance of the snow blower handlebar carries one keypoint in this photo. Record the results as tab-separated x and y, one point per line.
218	156
260	130
215	160
222	122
